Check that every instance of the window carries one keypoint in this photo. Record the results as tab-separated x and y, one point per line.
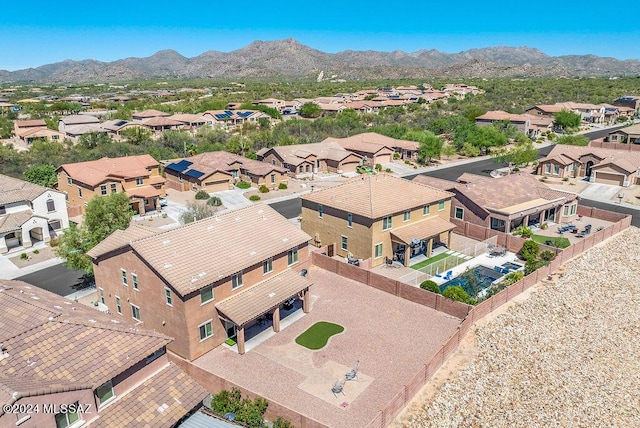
273	161
425	210
63	420
378	250
565	210
3	209
459	213
349	219
267	266
406	216
101	295
134	280
441	206
234	174
114	188
69	181
386	222
79	192
206	330
118	305
344	243
51	205
497	224
320	210
139	181
547	168
124	276
206	295
103	189
273	178
167	297
135	312
556	169
574	209
292	256
105	392
236	280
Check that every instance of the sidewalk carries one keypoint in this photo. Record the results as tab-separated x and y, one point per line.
10	271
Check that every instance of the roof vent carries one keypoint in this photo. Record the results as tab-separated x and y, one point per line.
271	295
166	241
162	408
167	265
209	227
115	321
252	254
202	274
35	298
285	239
93	321
237	218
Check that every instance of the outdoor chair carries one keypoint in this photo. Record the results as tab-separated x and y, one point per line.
353	373
447	277
388	262
338	387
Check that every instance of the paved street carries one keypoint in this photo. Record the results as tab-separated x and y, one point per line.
599	133
58	279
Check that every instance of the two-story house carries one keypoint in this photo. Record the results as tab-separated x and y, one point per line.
378	216
29	213
63	364
372	147
29	131
137	176
207	281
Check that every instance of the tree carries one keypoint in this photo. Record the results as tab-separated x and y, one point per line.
197	211
73	246
310	110
430	145
104	215
430	286
44	175
529	250
573	140
449	150
94	139
567	120
457	293
136	135
522	153
485	137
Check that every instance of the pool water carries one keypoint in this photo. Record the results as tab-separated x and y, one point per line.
512	266
474	280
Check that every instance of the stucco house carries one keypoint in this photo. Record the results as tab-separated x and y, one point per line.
216	171
207	281
377	217
606	166
629	135
306	159
29	131
372	147
29	213
505	203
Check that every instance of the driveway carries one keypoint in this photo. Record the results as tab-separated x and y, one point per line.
233	199
601	192
174	210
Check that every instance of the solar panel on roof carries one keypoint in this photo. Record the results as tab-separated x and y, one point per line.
244	113
179	166
194	173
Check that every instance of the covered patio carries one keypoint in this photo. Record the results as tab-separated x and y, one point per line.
144	199
418	239
249	307
530	214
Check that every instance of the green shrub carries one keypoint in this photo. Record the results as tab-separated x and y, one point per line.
388	170
406	161
24	256
214	201
396	155
202	195
512	277
533	265
263	189
457	293
282	423
36	251
254	198
282	186
243	184
547	255
565	179
378	167
529	250
516	169
523	231
248	412
164	215
54	242
430	286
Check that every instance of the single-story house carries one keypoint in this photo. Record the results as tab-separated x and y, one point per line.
303	159
629	135
373	148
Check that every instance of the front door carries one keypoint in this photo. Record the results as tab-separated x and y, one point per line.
230	328
550	215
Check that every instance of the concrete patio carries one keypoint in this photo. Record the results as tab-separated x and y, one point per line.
391	337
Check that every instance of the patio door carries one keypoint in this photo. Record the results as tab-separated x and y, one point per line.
230	328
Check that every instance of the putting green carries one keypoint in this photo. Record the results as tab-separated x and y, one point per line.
316	336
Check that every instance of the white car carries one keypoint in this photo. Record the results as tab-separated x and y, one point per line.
163	202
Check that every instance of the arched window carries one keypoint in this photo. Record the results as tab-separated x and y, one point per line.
51	205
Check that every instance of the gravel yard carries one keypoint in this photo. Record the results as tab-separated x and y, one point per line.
568	356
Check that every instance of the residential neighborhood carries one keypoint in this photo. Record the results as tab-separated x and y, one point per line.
255	256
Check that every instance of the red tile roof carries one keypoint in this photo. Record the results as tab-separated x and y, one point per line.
95	172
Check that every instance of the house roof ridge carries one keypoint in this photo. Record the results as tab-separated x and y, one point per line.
120	328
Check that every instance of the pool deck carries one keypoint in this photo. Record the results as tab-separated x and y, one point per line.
484	260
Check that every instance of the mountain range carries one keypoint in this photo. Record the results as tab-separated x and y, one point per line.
291	59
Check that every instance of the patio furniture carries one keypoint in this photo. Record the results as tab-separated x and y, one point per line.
353	373
585	231
388	262
447	277
304	272
338	387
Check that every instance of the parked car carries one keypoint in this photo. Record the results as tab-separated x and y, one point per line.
363	169
163	202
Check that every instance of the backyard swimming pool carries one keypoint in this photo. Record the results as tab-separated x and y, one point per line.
474	280
512	266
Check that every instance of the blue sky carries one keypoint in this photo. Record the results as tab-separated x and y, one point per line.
34	33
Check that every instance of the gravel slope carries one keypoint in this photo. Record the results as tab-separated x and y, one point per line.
569	356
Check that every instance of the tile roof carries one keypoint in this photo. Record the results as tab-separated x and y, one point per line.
634	129
502	115
212	162
369	142
161	121
298	153
438	183
160	401
376	196
120	238
145	114
143	192
83	129
15	190
55	344
198	254
30	123
188	118
258	299
13	221
79	119
37	132
426	228
95	172
628	160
